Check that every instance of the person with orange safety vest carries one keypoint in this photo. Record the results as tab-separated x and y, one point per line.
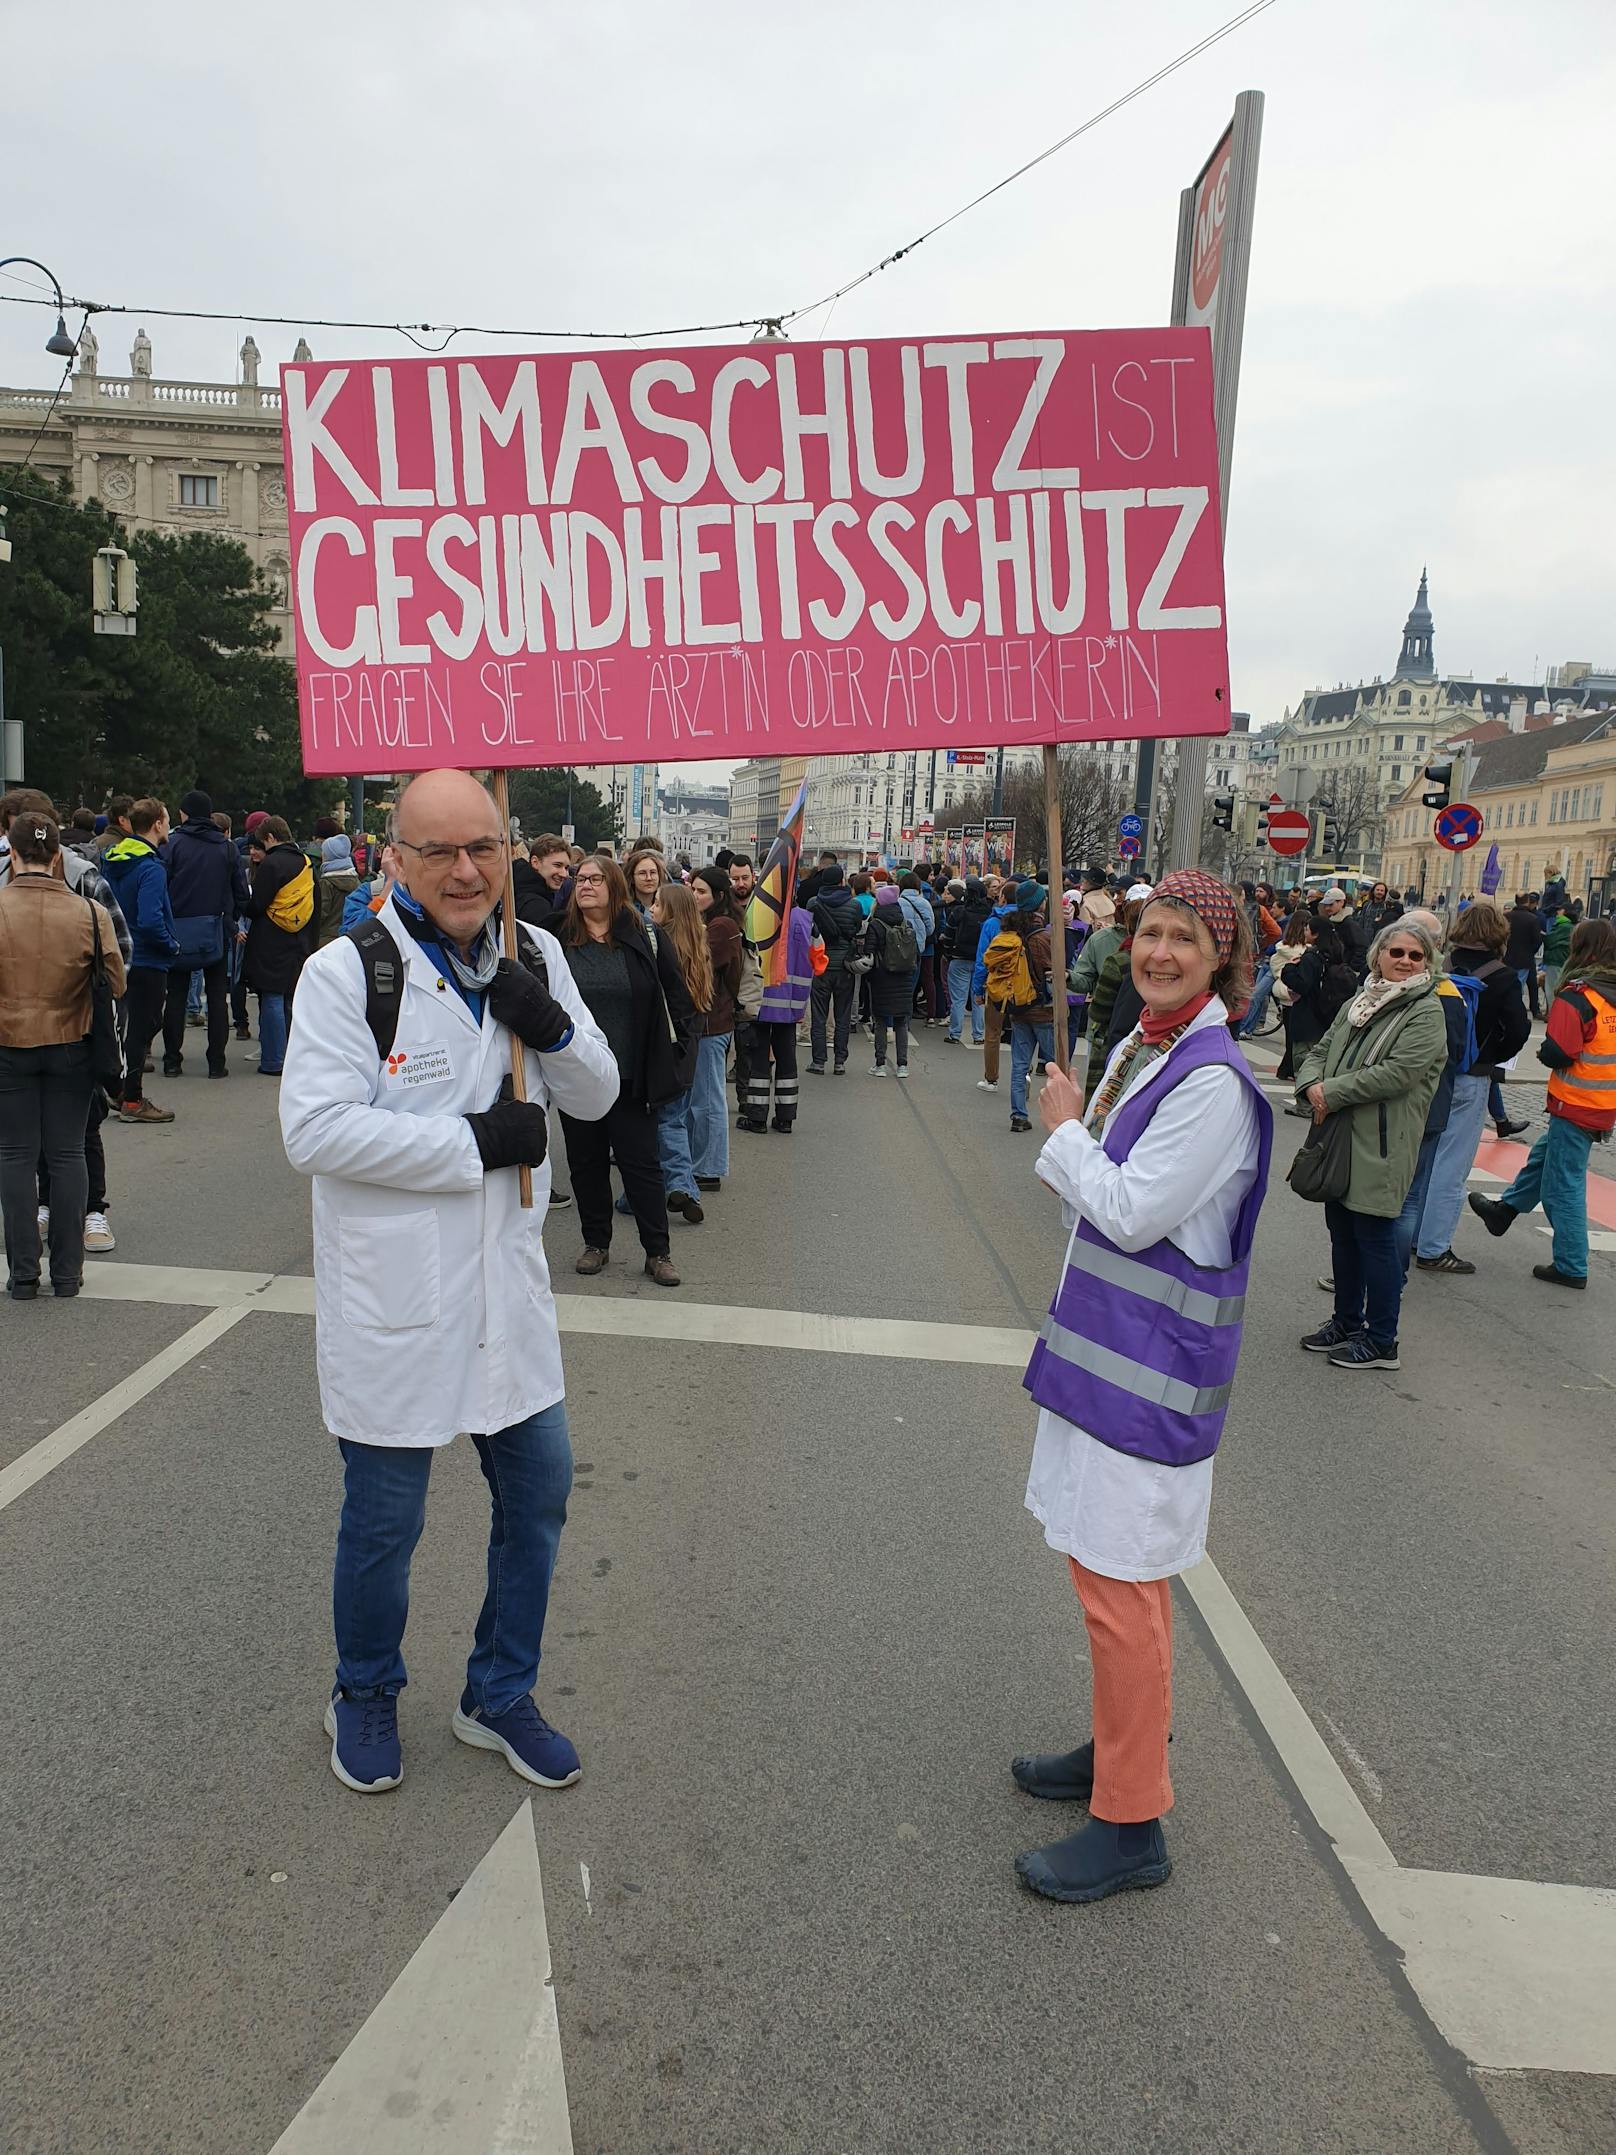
1580	1050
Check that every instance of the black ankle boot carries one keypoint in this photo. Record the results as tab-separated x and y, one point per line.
1098	1861
1058	1776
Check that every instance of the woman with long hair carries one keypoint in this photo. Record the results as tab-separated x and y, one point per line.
1477	939
1161	1175
709	1110
676	918
1579	1047
646	872
48	939
637	996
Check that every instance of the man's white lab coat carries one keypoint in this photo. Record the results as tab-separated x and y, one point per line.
433	1310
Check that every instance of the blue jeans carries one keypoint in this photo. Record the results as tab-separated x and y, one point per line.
1555	1175
1023	1039
673	1146
274	1022
709	1108
528	1469
1450	1171
1262	989
1368	1281
1407	1222
959	994
193	995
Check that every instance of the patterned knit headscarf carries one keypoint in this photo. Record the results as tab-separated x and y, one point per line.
1208	899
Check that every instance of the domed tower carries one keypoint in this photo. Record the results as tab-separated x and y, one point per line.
1414	661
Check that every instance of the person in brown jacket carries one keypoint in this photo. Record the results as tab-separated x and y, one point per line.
47	945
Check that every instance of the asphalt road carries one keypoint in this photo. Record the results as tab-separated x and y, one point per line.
800	1625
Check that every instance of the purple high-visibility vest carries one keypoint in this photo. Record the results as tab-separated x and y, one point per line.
1139	1347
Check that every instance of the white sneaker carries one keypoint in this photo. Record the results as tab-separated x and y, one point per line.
44	1219
878	1069
902	1070
98	1236
987	1084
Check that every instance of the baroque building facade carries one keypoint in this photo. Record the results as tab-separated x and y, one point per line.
163	454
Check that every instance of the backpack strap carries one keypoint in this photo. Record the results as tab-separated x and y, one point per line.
384	980
384	967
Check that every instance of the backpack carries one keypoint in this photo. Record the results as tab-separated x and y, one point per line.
1009	976
900	951
1468	987
749	994
384	978
292	907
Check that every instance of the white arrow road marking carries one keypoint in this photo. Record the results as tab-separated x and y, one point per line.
463	2054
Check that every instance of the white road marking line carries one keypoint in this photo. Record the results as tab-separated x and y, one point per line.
62	1443
1514	1972
583	1873
464	2051
718	1324
1517	1975
1355	1758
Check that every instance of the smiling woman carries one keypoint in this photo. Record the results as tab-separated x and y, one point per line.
1161	1178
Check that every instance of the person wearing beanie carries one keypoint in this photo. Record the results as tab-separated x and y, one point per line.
890	938
338	879
839	925
207	893
1162	1172
967	917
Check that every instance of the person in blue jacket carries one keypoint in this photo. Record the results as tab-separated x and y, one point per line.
989	1080
207	893
134	867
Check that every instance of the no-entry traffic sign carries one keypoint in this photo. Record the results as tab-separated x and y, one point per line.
1458	827
1287	830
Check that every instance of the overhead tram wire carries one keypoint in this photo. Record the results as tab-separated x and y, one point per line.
415	331
1192	52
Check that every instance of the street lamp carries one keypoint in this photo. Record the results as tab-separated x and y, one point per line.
62	345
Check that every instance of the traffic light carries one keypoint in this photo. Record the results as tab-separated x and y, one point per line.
1262	823
1324	836
1441	777
1223	811
114	593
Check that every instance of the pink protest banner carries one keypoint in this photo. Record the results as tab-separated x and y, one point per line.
771	548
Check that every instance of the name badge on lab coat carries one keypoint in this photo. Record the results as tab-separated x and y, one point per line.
405	1069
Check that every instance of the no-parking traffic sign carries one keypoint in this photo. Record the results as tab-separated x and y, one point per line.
1458	827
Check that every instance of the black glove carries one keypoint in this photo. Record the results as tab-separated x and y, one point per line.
521	1001
511	1133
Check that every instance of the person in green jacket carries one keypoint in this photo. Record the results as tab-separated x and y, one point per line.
1379	1064
1110	969
1555	945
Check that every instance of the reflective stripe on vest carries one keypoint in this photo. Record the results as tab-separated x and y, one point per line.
1103	1261
1591	1080
1139	1349
1150	1384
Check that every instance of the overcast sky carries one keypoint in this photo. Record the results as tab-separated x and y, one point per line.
1431	324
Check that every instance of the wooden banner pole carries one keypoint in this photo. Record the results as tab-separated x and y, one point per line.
502	801
1057	909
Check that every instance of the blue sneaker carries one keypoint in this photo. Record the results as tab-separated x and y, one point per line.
531	1746
365	1752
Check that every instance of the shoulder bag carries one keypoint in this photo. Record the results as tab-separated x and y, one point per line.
106	1049
1322	1169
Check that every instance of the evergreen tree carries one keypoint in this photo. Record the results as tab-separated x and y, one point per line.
197	697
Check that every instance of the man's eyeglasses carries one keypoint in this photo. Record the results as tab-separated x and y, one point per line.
482	852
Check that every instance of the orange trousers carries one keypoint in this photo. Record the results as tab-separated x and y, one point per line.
1130	1628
